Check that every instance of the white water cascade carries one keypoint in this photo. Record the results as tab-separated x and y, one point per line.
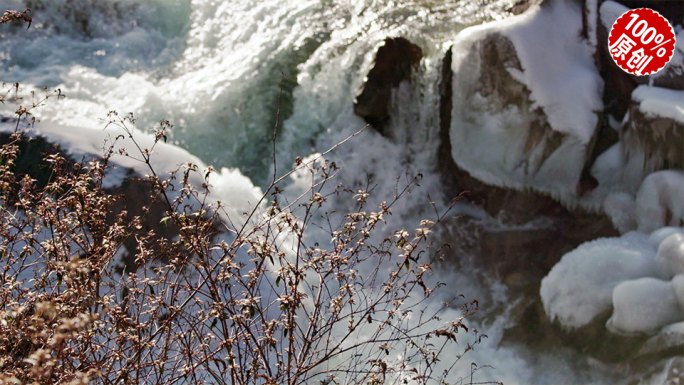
215	70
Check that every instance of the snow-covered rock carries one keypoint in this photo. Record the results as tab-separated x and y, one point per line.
652	133
669	337
580	287
234	190
513	101
644	305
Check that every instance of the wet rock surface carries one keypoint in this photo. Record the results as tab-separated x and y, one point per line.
394	63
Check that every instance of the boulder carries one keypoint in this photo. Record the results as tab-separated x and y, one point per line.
653	133
394	63
511	101
513	255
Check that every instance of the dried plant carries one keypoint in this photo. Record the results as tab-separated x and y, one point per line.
24	16
251	302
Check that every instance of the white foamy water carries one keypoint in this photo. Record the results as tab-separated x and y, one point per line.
214	70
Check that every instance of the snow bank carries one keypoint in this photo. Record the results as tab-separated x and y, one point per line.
535	128
660	201
662	102
580	287
644	306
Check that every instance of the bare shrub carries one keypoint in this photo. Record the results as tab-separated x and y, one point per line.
256	301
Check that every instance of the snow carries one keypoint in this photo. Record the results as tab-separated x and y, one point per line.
620	207
580	287
478	127
229	186
592	18
629	274
660	200
610	11
644	306
674	328
660	102
670	256
658	236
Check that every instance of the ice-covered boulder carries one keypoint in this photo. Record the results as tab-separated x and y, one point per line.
644	305
531	105
670	256
658	236
653	133
580	287
671	336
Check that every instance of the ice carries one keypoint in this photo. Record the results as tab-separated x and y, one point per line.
620	207
657	101
609	166
662	233
678	284
674	328
670	256
580	286
644	306
660	201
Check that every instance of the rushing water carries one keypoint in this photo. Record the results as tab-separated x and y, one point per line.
216	69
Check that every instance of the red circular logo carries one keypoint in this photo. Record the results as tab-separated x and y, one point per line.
641	41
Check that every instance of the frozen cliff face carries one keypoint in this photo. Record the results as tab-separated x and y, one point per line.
525	109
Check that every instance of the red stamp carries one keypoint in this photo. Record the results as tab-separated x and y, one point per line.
641	41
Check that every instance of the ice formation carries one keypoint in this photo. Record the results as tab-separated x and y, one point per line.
660	201
580	287
670	256
639	276
644	305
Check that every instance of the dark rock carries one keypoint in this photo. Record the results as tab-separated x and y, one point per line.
394	63
446	163
136	197
618	84
29	159
523	5
673	11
